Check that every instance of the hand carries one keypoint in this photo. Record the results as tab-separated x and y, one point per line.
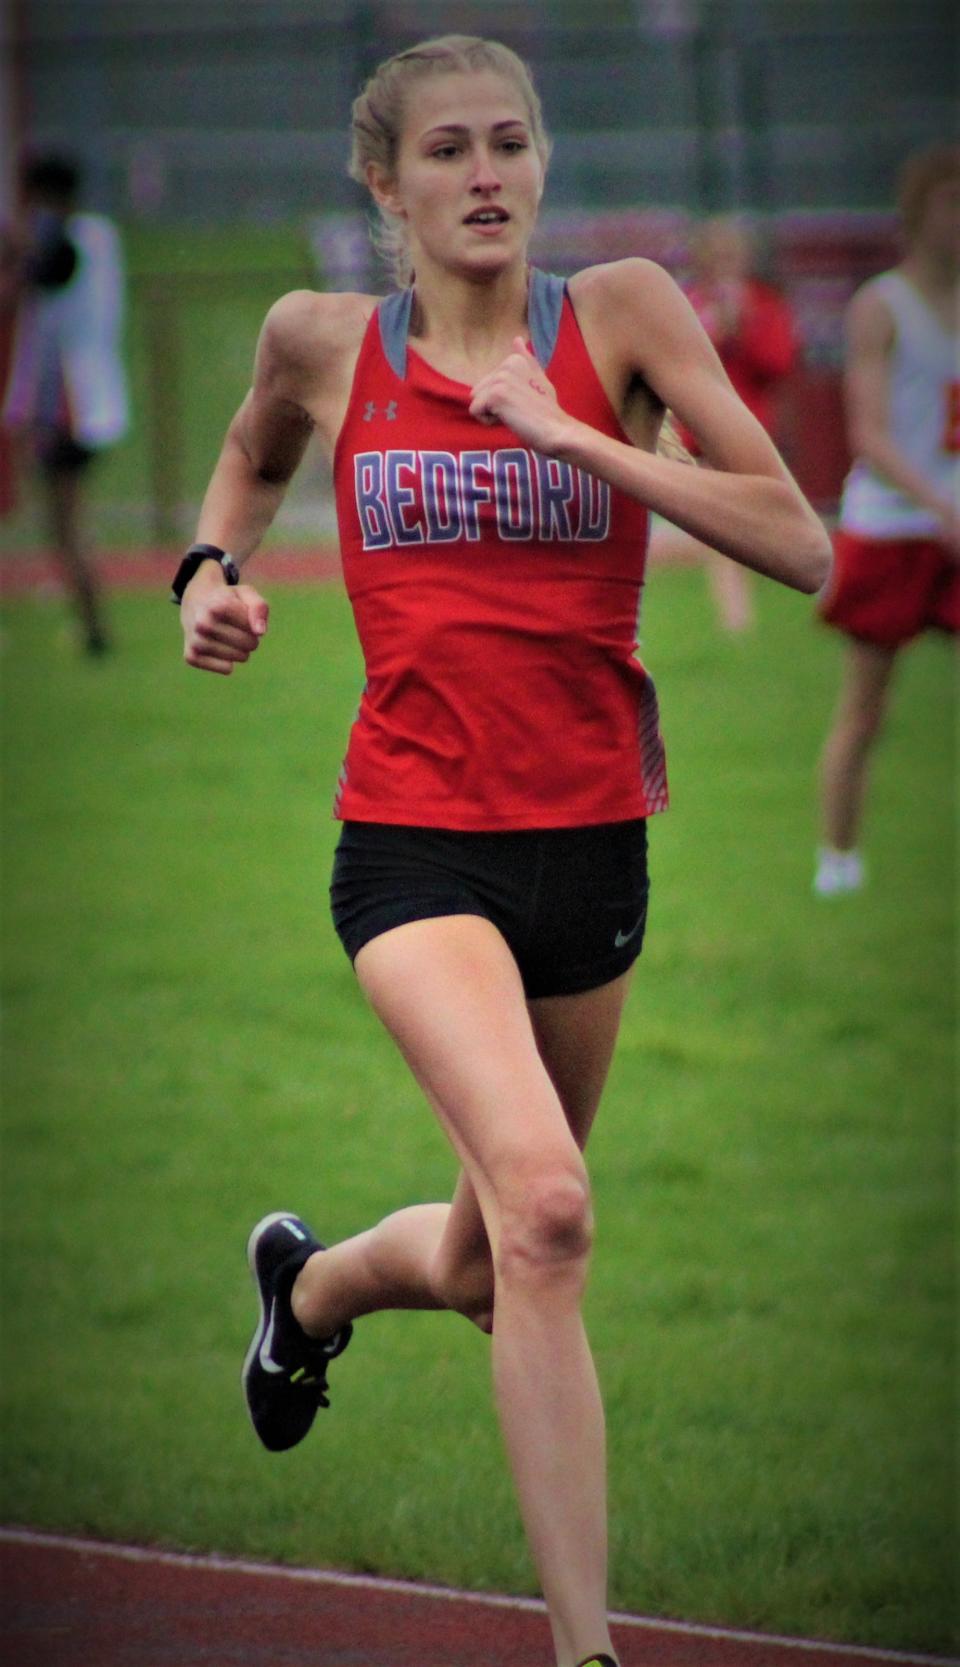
517	393
222	624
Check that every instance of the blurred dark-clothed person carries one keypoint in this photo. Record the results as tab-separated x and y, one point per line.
66	398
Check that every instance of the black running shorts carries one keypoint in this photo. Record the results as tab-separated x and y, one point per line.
570	902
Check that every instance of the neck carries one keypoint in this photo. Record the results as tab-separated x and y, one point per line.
934	275
469	314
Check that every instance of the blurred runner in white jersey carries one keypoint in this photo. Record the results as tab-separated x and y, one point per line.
897	548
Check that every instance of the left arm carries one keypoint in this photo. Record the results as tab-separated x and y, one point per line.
745	501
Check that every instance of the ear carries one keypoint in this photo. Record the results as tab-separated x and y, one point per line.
383	189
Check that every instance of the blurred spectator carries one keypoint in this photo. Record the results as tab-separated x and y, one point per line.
897	548
66	397
751	325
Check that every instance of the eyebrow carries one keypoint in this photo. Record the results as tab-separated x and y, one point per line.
460	130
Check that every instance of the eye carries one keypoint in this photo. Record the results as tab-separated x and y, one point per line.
442	152
511	146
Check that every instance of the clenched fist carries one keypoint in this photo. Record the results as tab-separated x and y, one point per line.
222	624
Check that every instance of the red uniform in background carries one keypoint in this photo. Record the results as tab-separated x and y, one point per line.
761	348
752	327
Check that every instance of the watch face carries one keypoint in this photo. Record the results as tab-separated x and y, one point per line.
231	571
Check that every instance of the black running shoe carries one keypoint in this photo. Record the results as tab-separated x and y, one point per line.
285	1372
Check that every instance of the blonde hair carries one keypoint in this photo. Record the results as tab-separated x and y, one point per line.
379	112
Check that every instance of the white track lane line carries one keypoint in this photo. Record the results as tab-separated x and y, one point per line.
447	1594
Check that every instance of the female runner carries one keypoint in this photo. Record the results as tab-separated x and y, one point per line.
493	434
897	543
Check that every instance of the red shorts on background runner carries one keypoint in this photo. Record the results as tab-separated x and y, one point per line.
887	590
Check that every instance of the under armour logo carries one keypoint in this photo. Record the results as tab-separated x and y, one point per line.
390	411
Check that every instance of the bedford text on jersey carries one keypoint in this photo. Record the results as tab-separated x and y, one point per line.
440	497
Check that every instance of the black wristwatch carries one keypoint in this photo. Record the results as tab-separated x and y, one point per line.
196	554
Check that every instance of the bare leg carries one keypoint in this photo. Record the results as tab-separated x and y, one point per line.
444	989
432	1256
675	548
576	1036
856	724
64	494
730	585
426	1256
732	591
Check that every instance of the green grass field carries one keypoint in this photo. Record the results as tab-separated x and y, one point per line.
772	1303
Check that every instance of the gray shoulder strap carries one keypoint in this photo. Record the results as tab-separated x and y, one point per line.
544	306
394	316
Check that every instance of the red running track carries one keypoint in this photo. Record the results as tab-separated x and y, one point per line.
152	569
34	571
77	1603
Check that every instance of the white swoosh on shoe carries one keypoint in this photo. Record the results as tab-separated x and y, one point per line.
266	1359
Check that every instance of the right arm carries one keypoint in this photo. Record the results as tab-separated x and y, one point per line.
298	354
871	333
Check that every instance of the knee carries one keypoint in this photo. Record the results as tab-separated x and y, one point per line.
546	1228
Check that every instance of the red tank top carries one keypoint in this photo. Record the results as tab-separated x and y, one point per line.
496	595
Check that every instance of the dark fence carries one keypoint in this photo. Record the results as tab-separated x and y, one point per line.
212	111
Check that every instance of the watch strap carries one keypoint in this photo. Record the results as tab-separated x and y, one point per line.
195	556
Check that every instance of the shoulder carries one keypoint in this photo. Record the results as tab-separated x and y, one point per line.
634	299
880	295
872	315
311	326
309	342
630	297
636	283
639	313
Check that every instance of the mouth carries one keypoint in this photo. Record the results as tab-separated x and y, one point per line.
487	219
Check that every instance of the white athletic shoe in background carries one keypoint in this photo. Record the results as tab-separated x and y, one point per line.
838	872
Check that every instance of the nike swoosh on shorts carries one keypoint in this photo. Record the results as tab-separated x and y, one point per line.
624	937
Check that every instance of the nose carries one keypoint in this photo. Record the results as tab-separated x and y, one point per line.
484	177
